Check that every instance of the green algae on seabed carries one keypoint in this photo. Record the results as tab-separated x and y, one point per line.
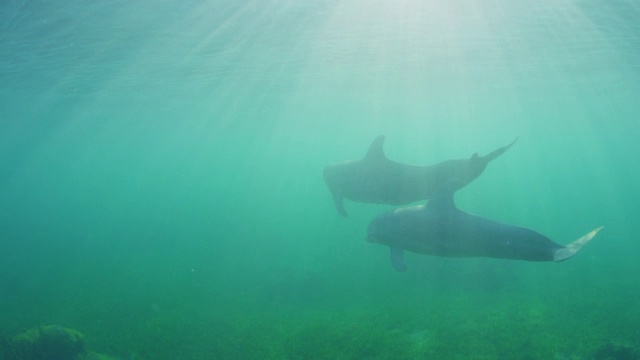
615	351
90	355
51	342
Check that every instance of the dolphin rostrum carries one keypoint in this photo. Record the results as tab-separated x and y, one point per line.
441	229
376	179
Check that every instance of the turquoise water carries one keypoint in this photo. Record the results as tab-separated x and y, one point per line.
161	181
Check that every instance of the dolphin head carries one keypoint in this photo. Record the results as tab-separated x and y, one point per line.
339	176
332	176
377	228
382	229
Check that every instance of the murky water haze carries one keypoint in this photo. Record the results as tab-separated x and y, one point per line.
161	181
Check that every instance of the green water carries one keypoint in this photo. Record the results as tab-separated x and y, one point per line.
161	181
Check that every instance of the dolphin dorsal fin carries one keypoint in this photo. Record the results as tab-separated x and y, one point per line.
442	198
376	152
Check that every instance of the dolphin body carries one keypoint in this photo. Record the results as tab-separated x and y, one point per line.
376	179
441	229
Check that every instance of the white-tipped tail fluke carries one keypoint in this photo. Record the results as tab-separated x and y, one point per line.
571	249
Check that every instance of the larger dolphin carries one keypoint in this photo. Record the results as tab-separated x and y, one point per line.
376	179
440	228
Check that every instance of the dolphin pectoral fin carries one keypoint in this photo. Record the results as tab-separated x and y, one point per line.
397	259
571	249
337	200
495	153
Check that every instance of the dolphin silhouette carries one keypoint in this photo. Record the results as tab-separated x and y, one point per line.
441	229
376	179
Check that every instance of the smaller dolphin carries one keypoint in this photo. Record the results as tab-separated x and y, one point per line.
376	179
441	229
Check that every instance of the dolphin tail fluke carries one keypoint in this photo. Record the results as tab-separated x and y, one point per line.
497	152
571	249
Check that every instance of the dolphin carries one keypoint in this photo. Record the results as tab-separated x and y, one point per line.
441	229
376	179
